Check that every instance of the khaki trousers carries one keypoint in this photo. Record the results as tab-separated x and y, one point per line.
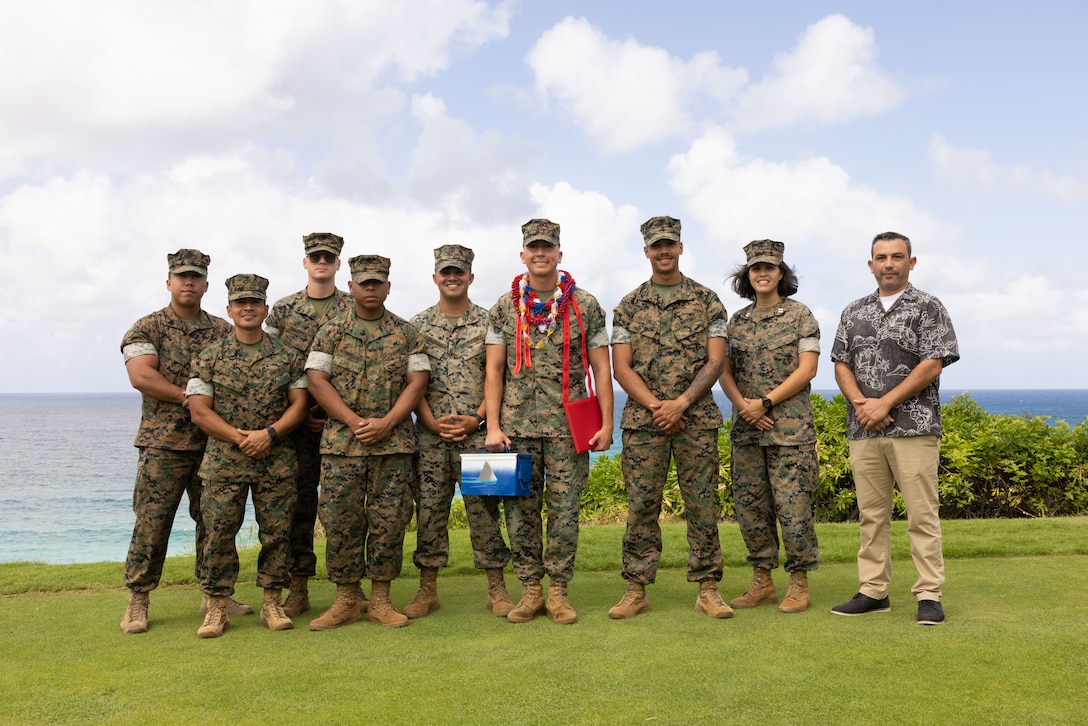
911	463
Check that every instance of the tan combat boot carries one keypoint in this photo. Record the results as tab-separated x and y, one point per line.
381	608
272	615
558	606
633	603
344	610
710	601
426	600
796	600
361	598
233	607
216	620
760	592
135	618
530	605
298	600
498	600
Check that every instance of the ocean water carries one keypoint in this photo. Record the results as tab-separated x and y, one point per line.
67	467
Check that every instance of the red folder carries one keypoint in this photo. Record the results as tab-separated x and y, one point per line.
583	415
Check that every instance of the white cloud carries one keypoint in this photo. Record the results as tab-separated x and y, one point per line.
975	169
599	238
831	76
201	75
470	176
811	202
85	255
624	94
135	129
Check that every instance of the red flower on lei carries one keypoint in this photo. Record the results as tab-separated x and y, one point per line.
541	314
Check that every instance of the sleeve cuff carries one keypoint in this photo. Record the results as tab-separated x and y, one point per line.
197	387
135	350
320	362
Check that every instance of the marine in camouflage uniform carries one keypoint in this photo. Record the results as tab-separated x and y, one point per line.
246	390
523	395
368	369
295	319
449	422
774	346
158	351
668	347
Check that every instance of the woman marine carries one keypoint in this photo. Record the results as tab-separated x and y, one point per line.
774	346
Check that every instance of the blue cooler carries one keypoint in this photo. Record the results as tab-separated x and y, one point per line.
496	475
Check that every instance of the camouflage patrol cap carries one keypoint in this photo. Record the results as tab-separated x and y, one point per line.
764	250
328	241
544	230
453	256
244	287
369	267
657	228
185	260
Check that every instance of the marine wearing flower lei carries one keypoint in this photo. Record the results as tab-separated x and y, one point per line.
541	314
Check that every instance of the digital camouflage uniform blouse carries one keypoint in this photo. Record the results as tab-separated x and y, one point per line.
668	347
176	341
764	349
532	402
369	372
249	392
295	320
456	351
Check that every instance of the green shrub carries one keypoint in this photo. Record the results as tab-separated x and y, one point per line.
992	465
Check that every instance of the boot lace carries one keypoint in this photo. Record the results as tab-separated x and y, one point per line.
136	610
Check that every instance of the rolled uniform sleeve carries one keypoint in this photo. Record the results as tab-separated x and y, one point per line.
319	361
809	345
418	363
620	335
199	387
135	350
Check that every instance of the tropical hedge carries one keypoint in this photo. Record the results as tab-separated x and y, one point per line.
992	465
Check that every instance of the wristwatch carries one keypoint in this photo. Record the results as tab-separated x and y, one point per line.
479	420
767	403
272	434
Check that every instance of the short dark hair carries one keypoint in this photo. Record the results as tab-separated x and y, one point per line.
886	236
743	286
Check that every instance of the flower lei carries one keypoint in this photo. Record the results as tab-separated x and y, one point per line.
534	312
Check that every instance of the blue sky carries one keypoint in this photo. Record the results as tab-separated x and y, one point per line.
131	129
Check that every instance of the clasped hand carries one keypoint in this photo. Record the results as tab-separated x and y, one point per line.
255	444
754	413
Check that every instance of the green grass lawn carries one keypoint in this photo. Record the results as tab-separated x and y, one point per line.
1014	649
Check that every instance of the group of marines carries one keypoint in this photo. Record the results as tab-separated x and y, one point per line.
328	405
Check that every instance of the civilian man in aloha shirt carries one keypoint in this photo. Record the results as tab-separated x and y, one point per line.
889	351
247	389
368	369
158	351
523	392
449	422
295	319
668	348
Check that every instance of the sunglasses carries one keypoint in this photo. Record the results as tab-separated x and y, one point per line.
326	257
